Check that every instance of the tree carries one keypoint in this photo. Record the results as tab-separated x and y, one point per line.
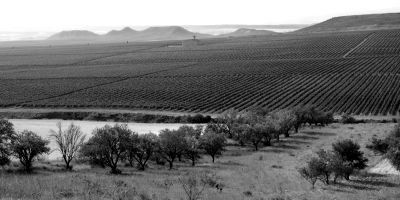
317	168
172	144
192	151
349	152
186	132
227	121
68	142
7	134
141	148
110	144
213	143
286	120
255	134
27	146
393	142
309	174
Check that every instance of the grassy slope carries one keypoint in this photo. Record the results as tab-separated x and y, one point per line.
356	22
271	172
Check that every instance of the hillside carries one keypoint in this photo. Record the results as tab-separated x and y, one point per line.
248	32
74	35
356	23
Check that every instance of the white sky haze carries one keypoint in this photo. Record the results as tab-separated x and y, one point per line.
56	15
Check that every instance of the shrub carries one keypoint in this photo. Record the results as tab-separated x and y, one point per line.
68	141
349	152
348	119
194	184
27	146
393	140
7	134
108	145
378	145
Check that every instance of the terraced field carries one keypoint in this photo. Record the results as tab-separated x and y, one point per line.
354	72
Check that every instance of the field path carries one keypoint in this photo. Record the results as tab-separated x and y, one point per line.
361	43
102	84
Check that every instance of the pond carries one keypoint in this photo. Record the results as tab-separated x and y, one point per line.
43	127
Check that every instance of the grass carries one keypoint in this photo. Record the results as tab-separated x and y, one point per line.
242	173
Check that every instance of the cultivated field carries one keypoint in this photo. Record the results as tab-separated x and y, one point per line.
242	173
353	72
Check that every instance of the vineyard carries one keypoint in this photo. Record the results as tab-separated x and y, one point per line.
353	72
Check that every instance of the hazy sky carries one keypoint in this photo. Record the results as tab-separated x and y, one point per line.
55	15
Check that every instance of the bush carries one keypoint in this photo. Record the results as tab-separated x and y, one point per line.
7	134
350	154
393	152
378	145
348	119
27	146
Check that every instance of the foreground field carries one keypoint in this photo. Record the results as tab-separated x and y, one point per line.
354	72
242	173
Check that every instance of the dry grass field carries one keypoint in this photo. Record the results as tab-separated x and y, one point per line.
242	173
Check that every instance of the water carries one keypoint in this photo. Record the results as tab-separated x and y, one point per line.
43	127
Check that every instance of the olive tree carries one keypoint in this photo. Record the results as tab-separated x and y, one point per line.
109	144
212	143
171	145
286	120
7	134
68	142
27	146
141	148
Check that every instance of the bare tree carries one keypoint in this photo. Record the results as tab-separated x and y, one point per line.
68	141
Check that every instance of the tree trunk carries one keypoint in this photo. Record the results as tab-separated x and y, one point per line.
171	164
67	165
327	179
213	158
347	176
193	162
114	170
296	128
28	167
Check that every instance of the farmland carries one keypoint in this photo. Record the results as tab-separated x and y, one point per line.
352	72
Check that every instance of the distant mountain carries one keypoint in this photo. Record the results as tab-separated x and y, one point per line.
356	23
248	32
149	34
74	35
168	33
125	32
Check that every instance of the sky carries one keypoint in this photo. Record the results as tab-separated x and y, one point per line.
57	15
